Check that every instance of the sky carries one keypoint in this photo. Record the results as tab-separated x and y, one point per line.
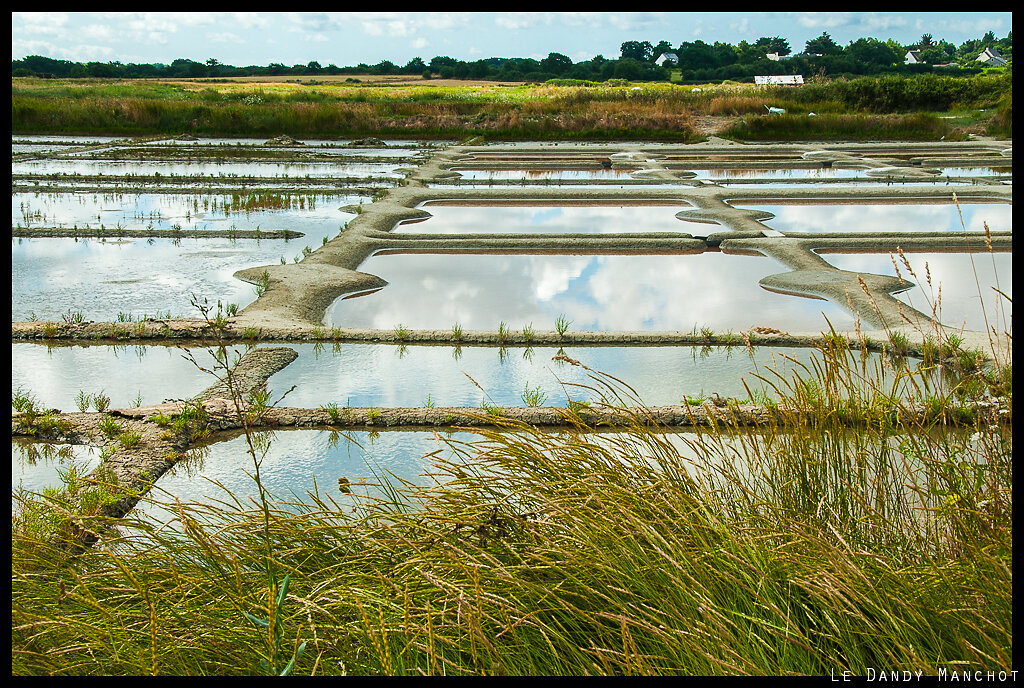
349	38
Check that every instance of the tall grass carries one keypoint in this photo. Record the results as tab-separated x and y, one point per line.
541	118
800	548
916	127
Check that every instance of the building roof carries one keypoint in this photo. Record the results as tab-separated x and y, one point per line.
992	57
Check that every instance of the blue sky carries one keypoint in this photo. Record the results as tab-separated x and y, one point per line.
348	38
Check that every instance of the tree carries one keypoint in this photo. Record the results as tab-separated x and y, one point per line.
823	45
313	66
661	48
628	68
556	63
775	44
926	42
872	51
436	63
415	66
641	51
697	55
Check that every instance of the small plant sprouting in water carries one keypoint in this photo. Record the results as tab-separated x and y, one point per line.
71	318
263	283
401	332
562	325
100	401
900	343
331	408
503	332
82	401
457	332
533	397
528	333
429	403
577	406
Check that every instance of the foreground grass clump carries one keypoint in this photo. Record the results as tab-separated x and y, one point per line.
806	548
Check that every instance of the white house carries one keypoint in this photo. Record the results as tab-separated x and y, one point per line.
991	58
667	59
913	57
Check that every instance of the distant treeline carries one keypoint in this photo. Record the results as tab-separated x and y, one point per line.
695	61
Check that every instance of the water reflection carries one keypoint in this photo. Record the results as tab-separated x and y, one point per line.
316	216
126	374
538	219
214	168
379	375
102	278
37	465
959	275
894	217
651	293
295	459
538	175
776	173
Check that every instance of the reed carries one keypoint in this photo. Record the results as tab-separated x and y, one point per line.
916	127
802	547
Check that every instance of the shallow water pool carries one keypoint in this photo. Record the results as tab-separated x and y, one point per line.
294	460
383	375
885	217
55	375
37	465
315	215
960	276
604	292
102	279
527	218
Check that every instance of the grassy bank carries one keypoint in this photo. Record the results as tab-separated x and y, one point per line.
807	548
510	114
833	127
529	111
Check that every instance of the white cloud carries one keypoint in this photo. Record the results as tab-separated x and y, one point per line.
516	21
873	21
224	37
250	20
634	21
742	26
41	19
383	27
824	20
62	51
97	32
